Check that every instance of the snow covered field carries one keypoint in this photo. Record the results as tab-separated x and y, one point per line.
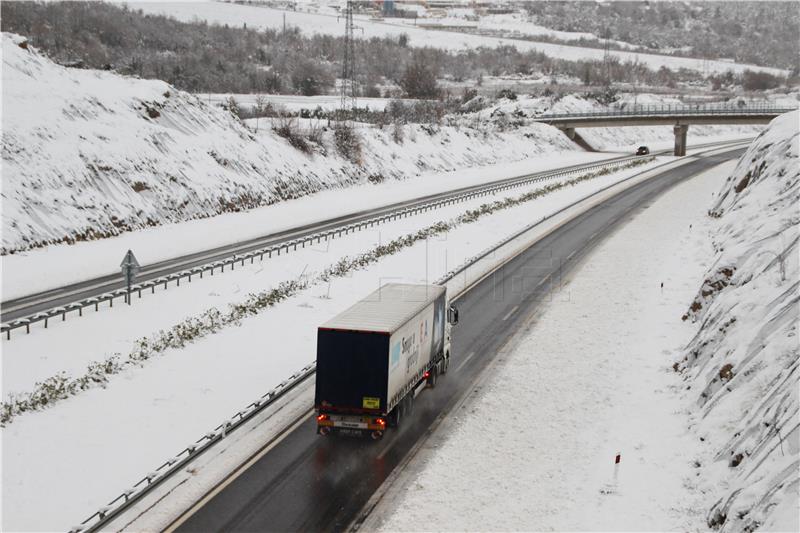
236	15
705	441
589	378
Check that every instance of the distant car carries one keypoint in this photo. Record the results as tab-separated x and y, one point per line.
643	150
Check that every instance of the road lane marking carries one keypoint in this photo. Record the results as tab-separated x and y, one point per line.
510	312
570	255
543	280
593	236
464	362
236	473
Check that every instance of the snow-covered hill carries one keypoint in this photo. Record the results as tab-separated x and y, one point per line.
103	154
743	362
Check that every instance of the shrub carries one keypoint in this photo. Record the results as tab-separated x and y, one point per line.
397	132
314	133
347	142
287	128
507	93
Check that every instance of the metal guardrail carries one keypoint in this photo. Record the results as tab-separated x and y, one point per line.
220	266
447	276
670	110
171	466
144	486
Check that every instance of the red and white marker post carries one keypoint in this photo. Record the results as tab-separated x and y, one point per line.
617	459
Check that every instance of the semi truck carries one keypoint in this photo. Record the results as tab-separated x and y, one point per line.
374	357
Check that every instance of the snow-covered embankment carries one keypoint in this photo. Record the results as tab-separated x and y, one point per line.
743	362
106	154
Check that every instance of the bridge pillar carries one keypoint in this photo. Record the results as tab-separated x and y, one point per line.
680	139
570	132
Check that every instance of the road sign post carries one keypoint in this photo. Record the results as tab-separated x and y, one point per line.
130	267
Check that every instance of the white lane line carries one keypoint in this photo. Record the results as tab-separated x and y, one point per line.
510	312
570	255
544	280
593	236
196	507
464	362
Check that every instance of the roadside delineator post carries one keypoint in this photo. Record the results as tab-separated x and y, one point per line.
617	459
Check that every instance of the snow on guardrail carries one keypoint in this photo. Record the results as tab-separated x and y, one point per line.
291	245
153	479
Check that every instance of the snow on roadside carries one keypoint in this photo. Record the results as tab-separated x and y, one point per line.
146	414
31	271
742	365
588	379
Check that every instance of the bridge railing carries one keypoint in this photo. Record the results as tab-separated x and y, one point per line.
673	110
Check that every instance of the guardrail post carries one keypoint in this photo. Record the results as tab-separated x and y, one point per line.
45	323
111	302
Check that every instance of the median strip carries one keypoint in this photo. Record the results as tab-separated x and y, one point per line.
61	386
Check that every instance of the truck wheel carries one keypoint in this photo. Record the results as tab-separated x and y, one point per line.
409	400
445	363
432	377
397	415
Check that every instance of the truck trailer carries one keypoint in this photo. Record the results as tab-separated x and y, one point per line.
375	356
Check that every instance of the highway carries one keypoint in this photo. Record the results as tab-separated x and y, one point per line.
29	305
304	482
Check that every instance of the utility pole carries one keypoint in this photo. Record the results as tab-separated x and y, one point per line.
607	57
349	88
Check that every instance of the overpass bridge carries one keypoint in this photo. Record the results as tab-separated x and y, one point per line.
679	117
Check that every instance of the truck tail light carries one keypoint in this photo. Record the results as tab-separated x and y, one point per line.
380	422
322	418
426	375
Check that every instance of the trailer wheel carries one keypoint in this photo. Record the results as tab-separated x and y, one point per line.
433	376
397	415
409	401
